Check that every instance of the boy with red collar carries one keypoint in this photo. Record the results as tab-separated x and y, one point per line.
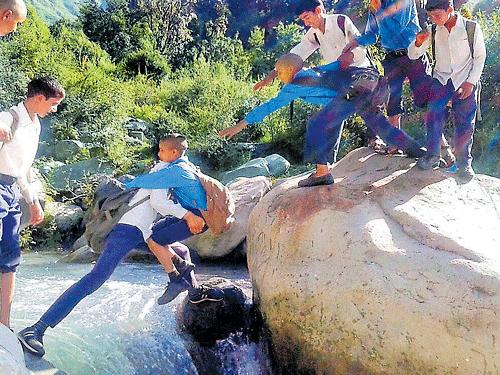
456	73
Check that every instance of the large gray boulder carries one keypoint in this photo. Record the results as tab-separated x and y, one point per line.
391	270
246	192
72	176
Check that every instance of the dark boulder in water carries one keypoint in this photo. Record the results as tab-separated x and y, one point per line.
211	320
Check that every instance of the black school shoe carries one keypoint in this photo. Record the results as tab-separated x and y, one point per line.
173	289
31	338
327	179
205	293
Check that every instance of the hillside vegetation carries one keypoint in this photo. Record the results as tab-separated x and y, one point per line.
182	69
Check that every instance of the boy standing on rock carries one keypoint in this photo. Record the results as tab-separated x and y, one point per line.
460	54
325	128
19	132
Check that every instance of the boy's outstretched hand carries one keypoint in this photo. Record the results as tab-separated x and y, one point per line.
194	222
421	37
266	81
228	133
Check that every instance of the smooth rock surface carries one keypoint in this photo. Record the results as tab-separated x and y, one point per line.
391	270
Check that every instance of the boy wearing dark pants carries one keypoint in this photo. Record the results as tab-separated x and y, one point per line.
19	131
133	229
456	73
324	129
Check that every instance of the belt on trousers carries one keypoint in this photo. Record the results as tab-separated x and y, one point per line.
6	179
398	53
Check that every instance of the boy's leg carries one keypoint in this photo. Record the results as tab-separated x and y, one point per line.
7	283
393	136
10	252
322	142
435	122
324	132
464	114
395	77
180	272
120	241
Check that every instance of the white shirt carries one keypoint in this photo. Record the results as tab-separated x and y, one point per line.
159	202
453	56
17	155
332	42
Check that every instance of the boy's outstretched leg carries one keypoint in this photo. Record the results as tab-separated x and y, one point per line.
178	269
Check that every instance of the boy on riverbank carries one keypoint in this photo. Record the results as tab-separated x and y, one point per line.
12	13
459	63
134	228
324	129
19	132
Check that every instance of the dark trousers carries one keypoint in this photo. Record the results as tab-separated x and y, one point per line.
10	219
120	241
397	69
464	114
324	130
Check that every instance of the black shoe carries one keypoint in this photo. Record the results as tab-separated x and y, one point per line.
31	338
428	162
173	289
204	293
327	179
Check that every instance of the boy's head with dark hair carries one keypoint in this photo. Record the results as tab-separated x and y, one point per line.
310	12
44	95
440	11
438	4
308	6
46	86
172	147
12	12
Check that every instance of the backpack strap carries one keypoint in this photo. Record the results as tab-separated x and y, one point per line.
15	121
470	27
341	23
14	125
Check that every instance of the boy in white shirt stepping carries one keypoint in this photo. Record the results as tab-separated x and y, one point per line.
456	74
19	132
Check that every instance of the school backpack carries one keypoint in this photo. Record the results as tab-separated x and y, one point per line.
15	123
220	202
106	214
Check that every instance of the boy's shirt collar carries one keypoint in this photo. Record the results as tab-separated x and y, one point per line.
24	117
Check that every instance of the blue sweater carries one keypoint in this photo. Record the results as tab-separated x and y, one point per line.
186	187
290	92
396	22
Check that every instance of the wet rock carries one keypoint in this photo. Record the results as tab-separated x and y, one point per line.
209	321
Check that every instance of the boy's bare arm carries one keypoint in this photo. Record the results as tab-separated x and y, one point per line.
267	80
36	213
228	133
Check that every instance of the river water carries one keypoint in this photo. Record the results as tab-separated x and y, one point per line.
119	329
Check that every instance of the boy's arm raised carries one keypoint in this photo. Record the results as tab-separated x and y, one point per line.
228	133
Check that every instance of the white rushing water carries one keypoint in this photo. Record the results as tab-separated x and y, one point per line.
119	329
